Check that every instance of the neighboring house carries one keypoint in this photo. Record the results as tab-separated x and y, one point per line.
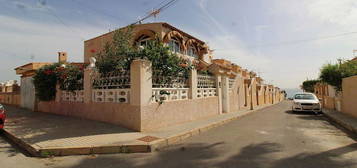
328	96
342	101
9	93
27	89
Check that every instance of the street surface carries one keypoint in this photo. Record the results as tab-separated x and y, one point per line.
273	137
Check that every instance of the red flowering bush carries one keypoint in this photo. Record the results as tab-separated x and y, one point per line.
45	81
69	77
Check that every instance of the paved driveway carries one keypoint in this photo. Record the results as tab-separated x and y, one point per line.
272	137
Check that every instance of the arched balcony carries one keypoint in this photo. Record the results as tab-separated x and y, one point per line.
175	41
143	37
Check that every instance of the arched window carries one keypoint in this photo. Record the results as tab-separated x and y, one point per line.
192	52
174	45
143	40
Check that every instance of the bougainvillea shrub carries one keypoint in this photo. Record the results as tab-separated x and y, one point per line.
69	77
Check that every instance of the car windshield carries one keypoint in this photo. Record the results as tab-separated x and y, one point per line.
304	96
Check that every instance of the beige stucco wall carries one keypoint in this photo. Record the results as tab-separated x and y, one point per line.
176	112
248	96
135	118
99	42
254	93
277	96
329	102
233	102
260	94
120	114
331	91
241	92
349	96
266	95
10	98
237	95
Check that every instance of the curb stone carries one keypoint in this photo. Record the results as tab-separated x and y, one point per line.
339	121
22	144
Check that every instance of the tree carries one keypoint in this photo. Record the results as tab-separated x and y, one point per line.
308	85
333	74
118	55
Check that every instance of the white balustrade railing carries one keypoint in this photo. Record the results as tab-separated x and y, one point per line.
169	94
206	92
75	96
111	95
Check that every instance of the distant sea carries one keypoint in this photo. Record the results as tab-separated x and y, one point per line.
291	91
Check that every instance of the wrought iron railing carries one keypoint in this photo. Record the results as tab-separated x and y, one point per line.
112	80
162	80
206	81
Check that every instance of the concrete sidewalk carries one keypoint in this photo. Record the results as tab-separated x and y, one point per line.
44	135
342	119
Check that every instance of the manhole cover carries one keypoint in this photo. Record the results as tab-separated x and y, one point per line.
148	138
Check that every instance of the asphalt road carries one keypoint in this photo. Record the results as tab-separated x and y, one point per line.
273	137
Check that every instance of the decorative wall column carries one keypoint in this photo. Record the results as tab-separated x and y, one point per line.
193	84
253	93
240	92
87	85
219	92
225	94
58	93
141	82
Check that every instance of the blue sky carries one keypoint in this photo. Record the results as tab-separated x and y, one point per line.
285	41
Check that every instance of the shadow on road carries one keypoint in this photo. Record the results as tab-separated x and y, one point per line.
208	155
321	117
10	148
301	113
36	127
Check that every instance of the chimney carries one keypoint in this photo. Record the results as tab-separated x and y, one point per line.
62	57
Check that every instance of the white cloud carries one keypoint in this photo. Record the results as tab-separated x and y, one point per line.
20	39
341	12
229	46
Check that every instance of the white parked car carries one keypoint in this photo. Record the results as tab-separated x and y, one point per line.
306	102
